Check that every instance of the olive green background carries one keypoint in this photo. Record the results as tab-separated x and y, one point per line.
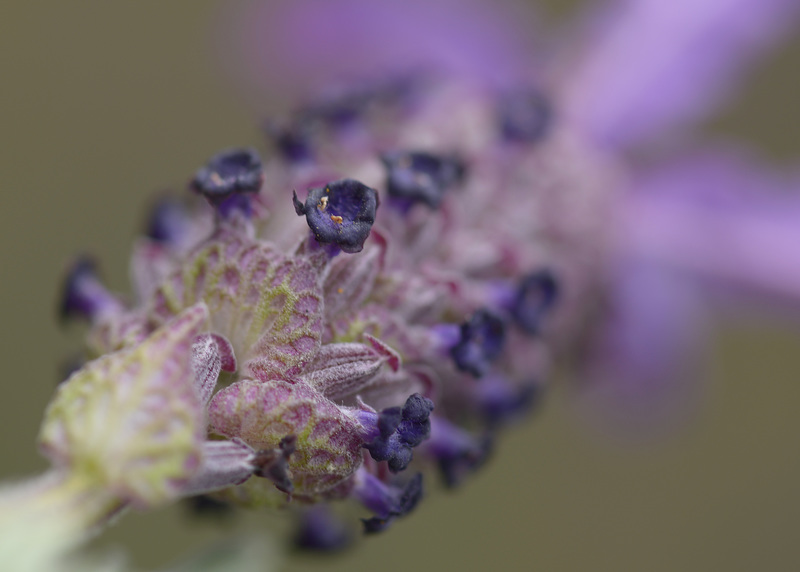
103	103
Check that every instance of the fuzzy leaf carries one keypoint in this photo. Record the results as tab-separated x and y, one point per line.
268	306
131	420
352	278
340	370
211	354
263	413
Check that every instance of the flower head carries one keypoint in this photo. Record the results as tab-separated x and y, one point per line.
325	377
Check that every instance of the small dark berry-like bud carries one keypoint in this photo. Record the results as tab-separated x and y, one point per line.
321	530
421	177
292	139
338	108
415	426
500	401
525	116
457	451
168	221
340	213
83	293
388	502
398	431
536	295
227	177
481	342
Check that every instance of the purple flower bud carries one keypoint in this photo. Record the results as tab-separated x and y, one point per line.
83	294
227	176
457	451
386	501
525	116
168	221
321	530
341	213
292	139
481	342
396	431
500	401
535	296
338	108
421	177
343	105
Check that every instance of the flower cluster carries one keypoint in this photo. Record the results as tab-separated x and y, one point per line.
381	295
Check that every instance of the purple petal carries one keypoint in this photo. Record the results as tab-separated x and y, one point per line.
641	375
656	64
722	217
307	43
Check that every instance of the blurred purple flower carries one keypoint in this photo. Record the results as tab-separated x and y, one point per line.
648	66
295	47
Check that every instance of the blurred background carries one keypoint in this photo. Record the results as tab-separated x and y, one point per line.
103	104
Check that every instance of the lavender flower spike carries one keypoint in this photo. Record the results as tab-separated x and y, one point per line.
257	368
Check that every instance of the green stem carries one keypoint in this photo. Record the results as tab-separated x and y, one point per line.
43	518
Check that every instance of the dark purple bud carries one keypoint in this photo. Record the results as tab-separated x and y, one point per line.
387	502
457	452
500	401
320	530
338	108
535	296
340	213
344	105
481	342
396	431
228	177
83	293
525	116
292	139
273	464
168	221
421	177
415	426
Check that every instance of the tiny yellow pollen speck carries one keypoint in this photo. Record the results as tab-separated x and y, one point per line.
323	203
336	218
340	290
